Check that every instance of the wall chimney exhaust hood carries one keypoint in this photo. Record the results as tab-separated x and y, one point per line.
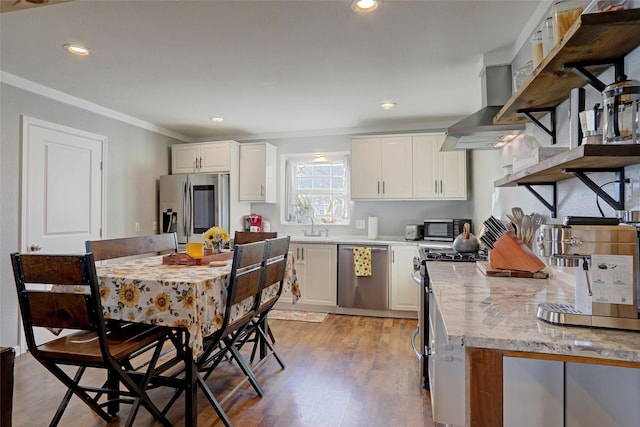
477	131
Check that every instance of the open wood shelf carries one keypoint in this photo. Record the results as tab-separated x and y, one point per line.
593	38
586	156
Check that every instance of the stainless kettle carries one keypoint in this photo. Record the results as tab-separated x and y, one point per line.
621	110
466	242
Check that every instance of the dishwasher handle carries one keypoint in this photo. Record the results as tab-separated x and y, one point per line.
350	248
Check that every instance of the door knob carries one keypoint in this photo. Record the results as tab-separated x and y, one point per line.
35	247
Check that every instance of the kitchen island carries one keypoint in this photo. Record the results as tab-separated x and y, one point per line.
494	318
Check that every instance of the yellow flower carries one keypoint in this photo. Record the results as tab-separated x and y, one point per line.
188	300
104	292
216	234
129	295
162	301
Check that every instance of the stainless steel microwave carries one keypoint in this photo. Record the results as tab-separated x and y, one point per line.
444	230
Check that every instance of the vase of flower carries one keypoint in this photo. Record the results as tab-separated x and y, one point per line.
215	238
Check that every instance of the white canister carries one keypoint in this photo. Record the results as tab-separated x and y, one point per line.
372	227
266	226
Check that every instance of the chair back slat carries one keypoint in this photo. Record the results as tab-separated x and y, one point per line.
247	284
60	310
130	246
277	252
243	237
53	270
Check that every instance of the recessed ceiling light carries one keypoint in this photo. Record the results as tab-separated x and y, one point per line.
217	119
76	49
365	6
388	105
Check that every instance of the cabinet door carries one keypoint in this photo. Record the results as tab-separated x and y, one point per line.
183	158
215	157
404	290
320	274
252	172
365	168
426	173
396	167
454	174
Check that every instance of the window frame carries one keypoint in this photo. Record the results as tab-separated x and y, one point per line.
296	158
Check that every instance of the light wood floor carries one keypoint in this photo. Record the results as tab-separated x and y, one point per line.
347	371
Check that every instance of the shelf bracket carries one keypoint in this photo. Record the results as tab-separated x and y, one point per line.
587	76
553	206
617	205
549	131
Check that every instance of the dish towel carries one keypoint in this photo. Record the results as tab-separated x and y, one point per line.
362	261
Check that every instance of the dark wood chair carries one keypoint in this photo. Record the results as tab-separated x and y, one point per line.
76	305
243	296
131	246
277	252
242	237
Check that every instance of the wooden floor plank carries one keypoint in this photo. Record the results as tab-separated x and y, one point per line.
347	371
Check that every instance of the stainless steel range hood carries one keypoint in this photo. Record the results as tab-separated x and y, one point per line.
477	131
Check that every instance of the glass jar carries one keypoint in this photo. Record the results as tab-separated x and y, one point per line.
521	75
536	47
565	13
548	36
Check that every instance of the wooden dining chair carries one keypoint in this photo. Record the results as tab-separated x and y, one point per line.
131	246
75	304
277	252
243	296
242	237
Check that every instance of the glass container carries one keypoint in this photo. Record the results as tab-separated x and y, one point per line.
548	36
536	47
521	75
565	13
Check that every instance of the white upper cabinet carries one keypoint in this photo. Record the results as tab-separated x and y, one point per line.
258	173
381	167
438	175
202	157
404	167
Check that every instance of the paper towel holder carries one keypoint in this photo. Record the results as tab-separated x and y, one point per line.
372	227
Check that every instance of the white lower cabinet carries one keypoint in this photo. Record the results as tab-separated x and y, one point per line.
316	267
532	392
598	395
404	290
446	372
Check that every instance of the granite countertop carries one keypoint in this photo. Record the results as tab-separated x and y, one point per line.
500	313
354	239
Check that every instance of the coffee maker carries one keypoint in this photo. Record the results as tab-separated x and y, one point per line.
606	278
621	112
253	222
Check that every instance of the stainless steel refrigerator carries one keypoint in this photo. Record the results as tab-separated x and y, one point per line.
192	203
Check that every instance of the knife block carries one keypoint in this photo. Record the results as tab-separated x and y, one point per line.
510	253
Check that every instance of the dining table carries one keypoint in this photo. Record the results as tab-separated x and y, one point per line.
189	297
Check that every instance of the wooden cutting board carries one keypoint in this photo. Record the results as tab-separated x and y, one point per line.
486	269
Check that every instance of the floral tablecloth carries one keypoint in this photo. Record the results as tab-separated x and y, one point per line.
147	291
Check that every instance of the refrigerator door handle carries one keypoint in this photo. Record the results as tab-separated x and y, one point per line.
184	208
190	203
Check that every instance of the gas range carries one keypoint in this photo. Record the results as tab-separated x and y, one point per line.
443	252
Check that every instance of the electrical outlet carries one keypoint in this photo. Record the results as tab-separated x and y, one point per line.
154	226
137	227
360	224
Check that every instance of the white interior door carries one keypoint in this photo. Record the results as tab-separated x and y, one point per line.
62	187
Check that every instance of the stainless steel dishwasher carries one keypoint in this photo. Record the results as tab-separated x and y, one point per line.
370	292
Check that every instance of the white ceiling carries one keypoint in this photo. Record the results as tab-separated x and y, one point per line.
270	68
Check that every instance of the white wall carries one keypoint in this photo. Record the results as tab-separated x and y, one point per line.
135	159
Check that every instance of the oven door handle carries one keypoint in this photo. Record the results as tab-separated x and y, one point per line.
417	278
413	343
